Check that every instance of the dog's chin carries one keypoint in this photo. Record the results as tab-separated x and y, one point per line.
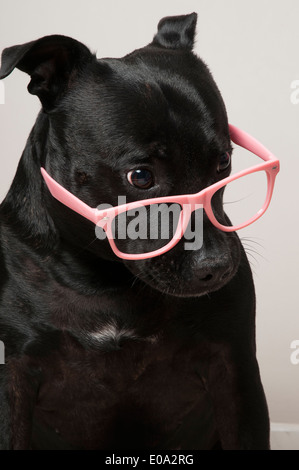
185	291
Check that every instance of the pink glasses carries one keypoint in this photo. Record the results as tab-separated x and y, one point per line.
115	221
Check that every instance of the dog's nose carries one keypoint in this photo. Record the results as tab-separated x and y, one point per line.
215	274
210	272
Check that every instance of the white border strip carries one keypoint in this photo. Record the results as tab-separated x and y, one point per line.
284	427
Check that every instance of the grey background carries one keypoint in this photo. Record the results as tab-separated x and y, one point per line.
252	49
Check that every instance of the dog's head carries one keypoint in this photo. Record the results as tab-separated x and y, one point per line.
147	125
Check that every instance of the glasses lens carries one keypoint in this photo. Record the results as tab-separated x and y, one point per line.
147	228
241	199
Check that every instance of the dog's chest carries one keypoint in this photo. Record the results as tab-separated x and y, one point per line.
122	390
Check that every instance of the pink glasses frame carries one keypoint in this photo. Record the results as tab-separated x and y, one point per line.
188	202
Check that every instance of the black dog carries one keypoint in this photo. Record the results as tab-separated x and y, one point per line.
103	353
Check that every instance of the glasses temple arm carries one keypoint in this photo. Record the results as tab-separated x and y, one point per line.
248	142
68	199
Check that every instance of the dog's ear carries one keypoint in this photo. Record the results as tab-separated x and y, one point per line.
50	61
176	32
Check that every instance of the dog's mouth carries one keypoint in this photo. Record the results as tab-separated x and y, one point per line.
175	287
188	275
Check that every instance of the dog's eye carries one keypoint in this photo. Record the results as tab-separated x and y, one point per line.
142	179
224	162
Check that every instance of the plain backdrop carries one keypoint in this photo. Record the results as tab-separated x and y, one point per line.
252	49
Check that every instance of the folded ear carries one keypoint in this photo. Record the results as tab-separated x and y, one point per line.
176	32
50	61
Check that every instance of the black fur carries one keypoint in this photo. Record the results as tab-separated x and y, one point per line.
103	353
